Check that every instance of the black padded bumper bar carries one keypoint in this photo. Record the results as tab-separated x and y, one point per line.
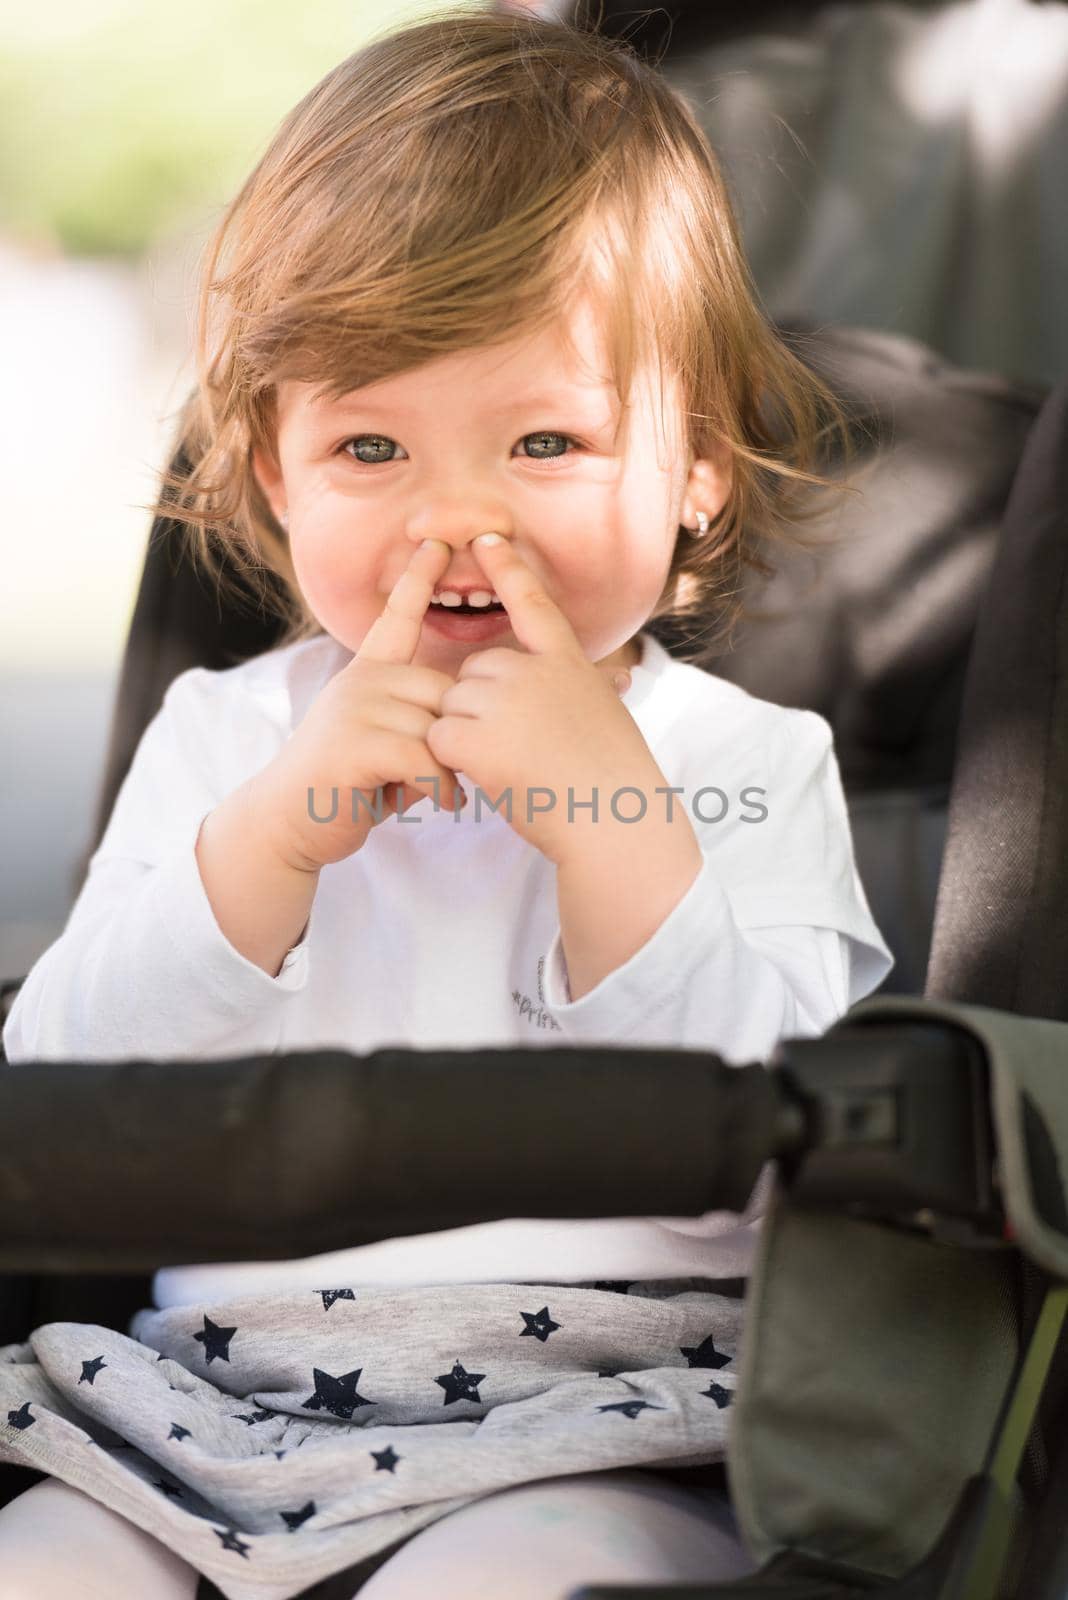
289	1155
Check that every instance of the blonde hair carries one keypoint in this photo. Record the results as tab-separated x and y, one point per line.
479	171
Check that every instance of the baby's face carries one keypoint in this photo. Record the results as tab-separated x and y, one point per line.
520	439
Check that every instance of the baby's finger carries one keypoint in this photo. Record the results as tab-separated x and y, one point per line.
537	621
394	636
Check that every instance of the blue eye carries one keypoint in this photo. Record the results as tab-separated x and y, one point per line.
374	438
380	442
566	438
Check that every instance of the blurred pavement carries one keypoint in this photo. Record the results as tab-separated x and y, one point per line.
96	365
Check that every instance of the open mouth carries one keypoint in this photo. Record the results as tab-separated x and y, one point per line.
469	624
464	610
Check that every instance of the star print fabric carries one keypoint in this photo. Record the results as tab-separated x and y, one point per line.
274	1441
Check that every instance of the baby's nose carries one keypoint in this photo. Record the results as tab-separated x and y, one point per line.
457	524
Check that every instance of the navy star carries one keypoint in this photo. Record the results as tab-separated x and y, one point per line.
167	1488
719	1394
704	1354
540	1325
178	1432
337	1395
460	1385
230	1541
21	1418
91	1368
216	1341
614	1285
252	1417
386	1460
631	1408
279	1454
293	1519
330	1295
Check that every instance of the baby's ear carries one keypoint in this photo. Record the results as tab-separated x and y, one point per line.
708	485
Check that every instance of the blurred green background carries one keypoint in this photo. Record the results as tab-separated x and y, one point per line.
121	123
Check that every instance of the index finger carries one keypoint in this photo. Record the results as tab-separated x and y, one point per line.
394	636
536	619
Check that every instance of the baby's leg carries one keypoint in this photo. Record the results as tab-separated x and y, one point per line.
542	1540
59	1544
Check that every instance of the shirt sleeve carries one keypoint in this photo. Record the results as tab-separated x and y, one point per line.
774	938
142	968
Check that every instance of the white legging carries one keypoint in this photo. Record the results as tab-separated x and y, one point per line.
538	1541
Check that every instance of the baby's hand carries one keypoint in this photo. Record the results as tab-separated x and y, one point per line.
366	730
546	723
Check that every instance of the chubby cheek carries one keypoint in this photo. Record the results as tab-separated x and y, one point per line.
612	592
338	588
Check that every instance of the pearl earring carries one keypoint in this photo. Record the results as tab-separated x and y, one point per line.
702	528
284	520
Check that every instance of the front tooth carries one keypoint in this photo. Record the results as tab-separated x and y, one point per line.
477	597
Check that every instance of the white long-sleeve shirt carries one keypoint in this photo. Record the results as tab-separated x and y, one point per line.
443	932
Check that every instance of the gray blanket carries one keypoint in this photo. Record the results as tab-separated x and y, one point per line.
274	1440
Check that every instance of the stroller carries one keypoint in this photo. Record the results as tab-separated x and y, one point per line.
899	1418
